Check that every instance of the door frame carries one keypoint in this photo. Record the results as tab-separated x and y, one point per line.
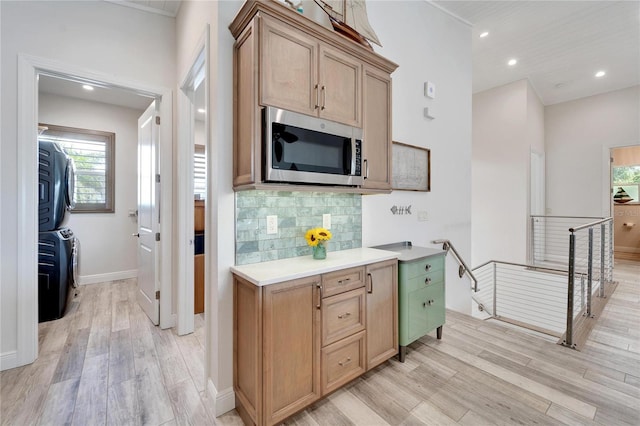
29	67
198	68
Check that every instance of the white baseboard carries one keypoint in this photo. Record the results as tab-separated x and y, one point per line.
111	276
224	401
8	360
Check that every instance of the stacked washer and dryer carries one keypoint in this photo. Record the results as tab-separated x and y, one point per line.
57	246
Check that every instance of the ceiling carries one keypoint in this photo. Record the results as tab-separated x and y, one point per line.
108	95
559	45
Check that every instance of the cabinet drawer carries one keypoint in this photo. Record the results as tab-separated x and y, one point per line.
429	265
424	280
342	362
340	281
342	315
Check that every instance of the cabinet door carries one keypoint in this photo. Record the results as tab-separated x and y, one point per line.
376	145
436	305
288	68
382	312
291	347
340	85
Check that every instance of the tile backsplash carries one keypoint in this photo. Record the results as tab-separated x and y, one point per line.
297	212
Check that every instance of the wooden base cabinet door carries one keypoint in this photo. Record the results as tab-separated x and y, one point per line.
291	347
382	312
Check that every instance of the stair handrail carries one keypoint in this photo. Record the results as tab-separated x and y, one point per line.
463	268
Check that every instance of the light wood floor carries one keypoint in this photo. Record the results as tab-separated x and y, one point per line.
105	364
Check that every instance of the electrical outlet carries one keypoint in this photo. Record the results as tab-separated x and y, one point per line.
326	221
422	216
272	224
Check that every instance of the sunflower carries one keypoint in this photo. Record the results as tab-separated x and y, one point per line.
316	236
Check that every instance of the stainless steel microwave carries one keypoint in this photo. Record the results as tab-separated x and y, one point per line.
308	150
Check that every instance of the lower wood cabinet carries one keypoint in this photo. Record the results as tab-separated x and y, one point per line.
299	340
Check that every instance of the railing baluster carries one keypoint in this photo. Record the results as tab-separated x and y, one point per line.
568	341
589	272
602	237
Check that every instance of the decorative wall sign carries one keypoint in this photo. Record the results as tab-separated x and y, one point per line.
401	210
411	168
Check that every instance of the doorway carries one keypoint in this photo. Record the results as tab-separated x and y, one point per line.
29	70
625	202
194	137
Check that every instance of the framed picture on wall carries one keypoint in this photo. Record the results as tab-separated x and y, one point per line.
411	168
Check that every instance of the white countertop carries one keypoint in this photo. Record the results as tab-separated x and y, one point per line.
276	271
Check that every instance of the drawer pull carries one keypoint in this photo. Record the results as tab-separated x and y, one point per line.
428	303
345	315
427	280
427	267
343	363
319	305
345	281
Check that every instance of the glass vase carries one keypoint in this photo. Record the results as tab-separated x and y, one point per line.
320	251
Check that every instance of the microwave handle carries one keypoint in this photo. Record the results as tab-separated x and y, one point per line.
365	164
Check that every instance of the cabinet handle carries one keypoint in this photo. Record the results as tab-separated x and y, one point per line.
365	163
427	280
346	314
427	303
370	290
324	97
317	97
345	281
345	362
427	267
319	286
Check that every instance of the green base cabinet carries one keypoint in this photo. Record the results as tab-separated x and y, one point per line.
421	300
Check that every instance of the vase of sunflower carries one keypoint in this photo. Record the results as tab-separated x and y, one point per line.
317	238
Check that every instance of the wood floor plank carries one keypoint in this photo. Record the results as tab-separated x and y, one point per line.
72	357
59	404
91	402
428	414
121	363
356	410
376	398
186	403
122	404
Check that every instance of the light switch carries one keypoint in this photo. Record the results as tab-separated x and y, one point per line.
326	221
272	224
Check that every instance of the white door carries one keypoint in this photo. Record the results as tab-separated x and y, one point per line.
148	213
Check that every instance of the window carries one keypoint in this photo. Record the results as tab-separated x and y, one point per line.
199	173
93	153
627	178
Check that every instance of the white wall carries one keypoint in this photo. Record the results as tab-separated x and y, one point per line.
428	44
190	23
578	137
97	36
507	124
107	248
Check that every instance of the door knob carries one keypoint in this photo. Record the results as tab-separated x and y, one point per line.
136	235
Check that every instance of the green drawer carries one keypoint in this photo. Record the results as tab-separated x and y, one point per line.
421	281
408	270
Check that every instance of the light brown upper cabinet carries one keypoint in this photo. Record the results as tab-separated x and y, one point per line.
376	150
300	74
285	60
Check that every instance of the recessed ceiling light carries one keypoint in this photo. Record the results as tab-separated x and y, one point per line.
202	110
600	74
512	62
484	34
87	87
